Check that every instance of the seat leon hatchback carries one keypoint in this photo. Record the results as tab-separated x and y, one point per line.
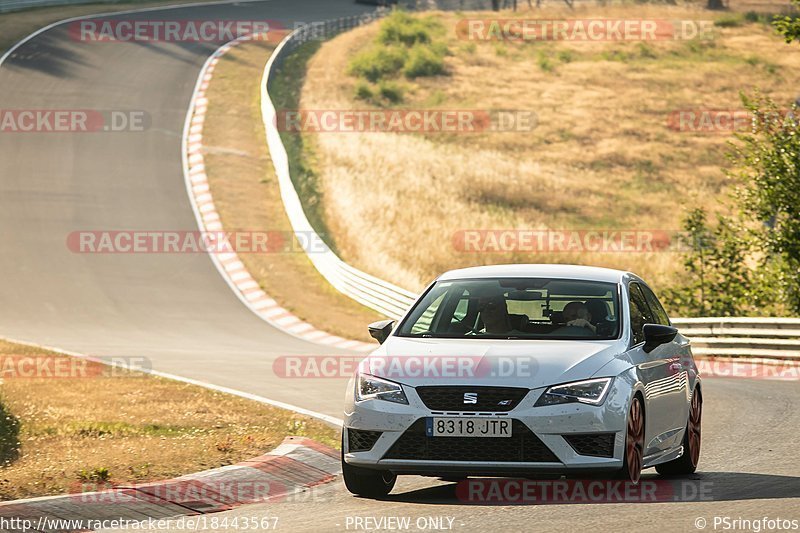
524	370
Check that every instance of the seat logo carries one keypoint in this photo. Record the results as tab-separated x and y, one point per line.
470	397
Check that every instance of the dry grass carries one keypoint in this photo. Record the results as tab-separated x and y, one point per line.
247	196
140	428
601	156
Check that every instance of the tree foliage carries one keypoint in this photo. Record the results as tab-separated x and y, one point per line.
749	262
788	26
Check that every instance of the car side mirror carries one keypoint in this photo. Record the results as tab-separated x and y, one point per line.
380	330
657	334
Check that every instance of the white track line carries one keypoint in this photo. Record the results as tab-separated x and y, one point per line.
126	12
300	410
228	264
206	213
282	405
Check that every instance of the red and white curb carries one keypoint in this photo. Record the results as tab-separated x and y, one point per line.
285	474
208	219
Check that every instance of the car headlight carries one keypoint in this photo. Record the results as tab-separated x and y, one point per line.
591	391
369	387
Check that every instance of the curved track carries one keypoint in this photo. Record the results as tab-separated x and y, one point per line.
177	311
747	470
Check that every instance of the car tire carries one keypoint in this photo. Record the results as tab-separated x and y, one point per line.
633	455
367	482
687	463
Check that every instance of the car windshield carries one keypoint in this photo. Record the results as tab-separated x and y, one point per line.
518	308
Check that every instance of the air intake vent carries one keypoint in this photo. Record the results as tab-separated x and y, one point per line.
359	440
592	444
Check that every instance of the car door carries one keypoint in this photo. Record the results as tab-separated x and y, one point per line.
655	373
672	352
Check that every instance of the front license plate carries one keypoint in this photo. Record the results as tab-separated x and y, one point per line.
468	427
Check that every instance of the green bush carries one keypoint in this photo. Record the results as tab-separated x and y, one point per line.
363	91
544	62
96	475
423	61
9	436
406	45
401	28
565	56
391	91
732	20
376	63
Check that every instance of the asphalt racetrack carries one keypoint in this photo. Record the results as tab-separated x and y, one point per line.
177	311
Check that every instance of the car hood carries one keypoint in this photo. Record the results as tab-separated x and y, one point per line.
507	363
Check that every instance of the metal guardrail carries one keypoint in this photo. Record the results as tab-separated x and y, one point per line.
768	338
382	296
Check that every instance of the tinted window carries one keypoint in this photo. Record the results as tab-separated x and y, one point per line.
518	308
640	313
655	306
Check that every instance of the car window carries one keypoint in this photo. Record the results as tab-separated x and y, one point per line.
516	308
655	306
425	320
640	312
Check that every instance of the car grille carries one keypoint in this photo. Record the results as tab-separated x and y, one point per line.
522	446
593	444
359	440
489	398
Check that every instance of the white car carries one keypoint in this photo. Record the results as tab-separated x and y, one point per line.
524	370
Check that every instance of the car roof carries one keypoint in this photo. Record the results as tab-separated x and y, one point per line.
576	272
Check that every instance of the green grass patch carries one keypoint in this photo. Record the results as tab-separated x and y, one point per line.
9	436
407	46
285	92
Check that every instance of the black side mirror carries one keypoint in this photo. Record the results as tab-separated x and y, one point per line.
380	330
656	334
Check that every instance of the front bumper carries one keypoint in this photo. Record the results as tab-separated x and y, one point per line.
546	437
